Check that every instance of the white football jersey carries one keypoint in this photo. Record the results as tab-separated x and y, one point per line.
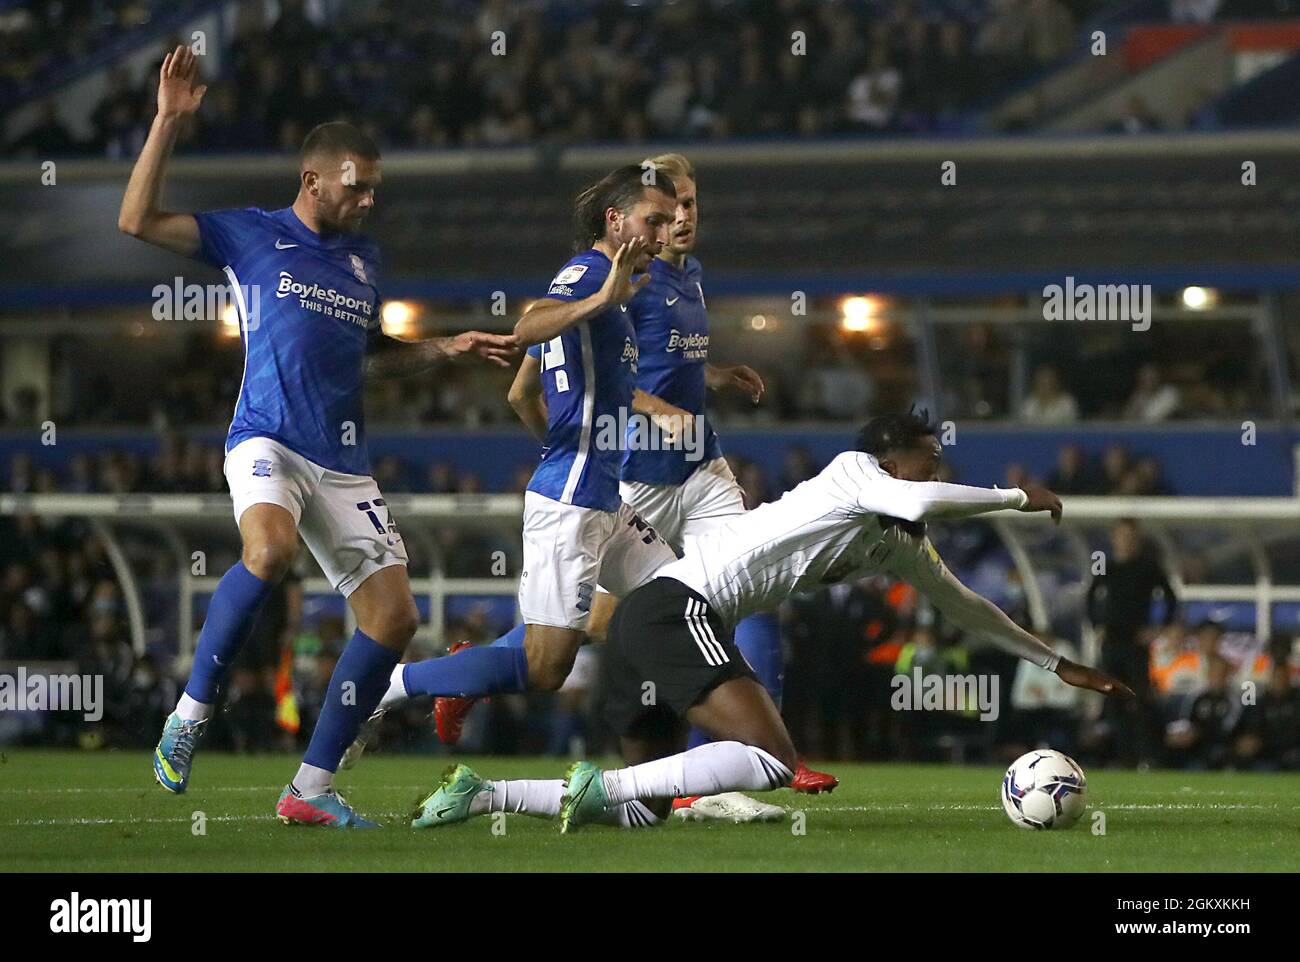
845	524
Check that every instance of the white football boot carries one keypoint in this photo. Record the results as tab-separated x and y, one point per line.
728	807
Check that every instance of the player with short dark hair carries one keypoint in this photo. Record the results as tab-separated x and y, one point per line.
674	661
888	432
305	283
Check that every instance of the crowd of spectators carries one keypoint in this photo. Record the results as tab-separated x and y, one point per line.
847	644
187	466
39	40
1153	399
1203	721
1117	471
61	605
1185	371
420	74
499	73
823	376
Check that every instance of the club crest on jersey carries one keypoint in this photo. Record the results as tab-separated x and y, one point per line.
358	268
585	591
262	468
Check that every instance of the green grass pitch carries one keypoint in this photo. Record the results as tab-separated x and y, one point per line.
102	812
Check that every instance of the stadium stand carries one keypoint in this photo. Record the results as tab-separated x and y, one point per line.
825	172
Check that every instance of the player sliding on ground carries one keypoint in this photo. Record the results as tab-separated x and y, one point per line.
670	642
685	488
304	281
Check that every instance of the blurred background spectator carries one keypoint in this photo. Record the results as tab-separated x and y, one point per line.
1119	606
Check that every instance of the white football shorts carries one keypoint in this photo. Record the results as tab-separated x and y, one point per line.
342	517
708	497
568	550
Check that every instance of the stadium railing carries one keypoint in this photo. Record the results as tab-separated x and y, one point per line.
1242	529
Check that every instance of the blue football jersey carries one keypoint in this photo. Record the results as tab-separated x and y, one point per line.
588	378
672	335
309	307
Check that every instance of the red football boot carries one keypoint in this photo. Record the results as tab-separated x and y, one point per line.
449	711
814	783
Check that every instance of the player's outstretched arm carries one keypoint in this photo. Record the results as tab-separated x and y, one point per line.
390	357
527	399
550	317
178	96
881	493
926	572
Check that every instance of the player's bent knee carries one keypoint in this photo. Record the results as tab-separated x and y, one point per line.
547	670
549	676
408	623
270	560
395	626
551	653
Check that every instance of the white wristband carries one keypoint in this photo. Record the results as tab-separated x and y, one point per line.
1013	497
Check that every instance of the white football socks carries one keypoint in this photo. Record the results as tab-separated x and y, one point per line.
312	781
190	710
706	770
542	798
396	689
631	814
532	796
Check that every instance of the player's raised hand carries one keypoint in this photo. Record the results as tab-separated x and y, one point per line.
1040	499
498	349
739	377
1081	676
619	288
178	93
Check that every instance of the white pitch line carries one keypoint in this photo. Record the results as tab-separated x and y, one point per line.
1181	806
27	822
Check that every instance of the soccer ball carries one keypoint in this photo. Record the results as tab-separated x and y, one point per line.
1044	789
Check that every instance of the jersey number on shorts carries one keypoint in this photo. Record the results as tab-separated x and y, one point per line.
638	522
387	530
553	357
